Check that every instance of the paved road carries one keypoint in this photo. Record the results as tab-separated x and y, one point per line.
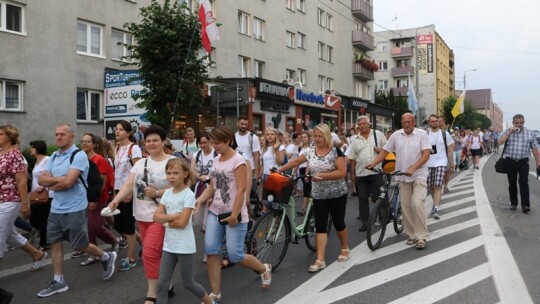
479	252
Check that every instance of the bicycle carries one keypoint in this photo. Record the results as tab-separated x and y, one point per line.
387	207
271	234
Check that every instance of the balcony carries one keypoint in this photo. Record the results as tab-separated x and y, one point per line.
400	91
402	71
362	41
362	10
401	52
361	72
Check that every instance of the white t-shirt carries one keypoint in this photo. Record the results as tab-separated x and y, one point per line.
474	141
189	149
122	163
436	138
179	240
36	172
204	163
291	149
244	146
143	206
269	159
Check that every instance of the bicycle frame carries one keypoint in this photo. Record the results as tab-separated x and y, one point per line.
288	213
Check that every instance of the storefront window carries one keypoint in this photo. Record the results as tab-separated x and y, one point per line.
384	123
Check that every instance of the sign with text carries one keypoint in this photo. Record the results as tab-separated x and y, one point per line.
120	87
272	90
309	98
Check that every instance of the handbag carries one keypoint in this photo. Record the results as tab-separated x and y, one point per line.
38	197
503	165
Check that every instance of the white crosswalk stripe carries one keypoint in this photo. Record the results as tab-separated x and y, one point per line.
500	266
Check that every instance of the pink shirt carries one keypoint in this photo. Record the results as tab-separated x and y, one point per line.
225	188
408	149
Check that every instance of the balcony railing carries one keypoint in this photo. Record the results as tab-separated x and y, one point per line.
402	71
362	10
361	72
362	40
400	91
401	52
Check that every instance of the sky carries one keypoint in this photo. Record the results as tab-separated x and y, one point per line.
498	38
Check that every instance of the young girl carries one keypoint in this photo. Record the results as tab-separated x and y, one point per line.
174	212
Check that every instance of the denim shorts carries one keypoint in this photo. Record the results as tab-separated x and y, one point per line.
216	234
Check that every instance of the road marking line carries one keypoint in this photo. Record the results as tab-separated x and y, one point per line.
509	283
447	216
446	288
454	194
461	186
456	203
393	273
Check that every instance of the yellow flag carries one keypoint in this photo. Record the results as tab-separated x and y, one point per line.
459	107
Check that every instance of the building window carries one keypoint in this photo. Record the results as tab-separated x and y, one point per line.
301	41
302	76
120	51
88	105
329	22
243	23
290	39
382	47
289	4
258	29
89	39
301	6
383	65
11	95
320	17
330	84
320	50
243	66
358	85
383	84
258	68
11	17
191	7
403	63
321	83
290	76
329	53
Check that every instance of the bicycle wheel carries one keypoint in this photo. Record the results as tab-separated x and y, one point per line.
310	230
265	243
398	216
378	219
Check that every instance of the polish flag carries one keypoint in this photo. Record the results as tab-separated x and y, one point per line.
209	30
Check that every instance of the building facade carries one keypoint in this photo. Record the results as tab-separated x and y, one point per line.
417	57
482	101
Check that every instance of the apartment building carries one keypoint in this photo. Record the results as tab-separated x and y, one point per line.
483	103
417	57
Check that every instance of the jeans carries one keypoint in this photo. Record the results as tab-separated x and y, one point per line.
521	169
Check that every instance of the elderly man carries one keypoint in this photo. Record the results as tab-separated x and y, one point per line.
519	142
412	147
363	150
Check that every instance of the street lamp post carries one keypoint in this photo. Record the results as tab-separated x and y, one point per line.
465	78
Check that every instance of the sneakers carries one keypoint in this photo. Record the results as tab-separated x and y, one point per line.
54	287
215	297
115	247
513	207
205	258
108	266
122	242
77	254
436	214
126	264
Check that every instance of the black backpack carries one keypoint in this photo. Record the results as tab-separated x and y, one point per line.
94	179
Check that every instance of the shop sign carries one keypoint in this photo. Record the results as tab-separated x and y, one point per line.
273	90
309	98
359	105
332	102
274	107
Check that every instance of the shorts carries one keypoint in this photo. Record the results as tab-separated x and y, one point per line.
71	227
234	238
436	176
476	152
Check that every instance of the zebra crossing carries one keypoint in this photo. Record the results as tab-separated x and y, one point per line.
467	258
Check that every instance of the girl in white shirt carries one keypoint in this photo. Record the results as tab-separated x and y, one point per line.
273	153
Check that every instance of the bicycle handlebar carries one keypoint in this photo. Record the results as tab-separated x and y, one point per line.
395	173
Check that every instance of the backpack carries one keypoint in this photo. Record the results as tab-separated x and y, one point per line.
128	154
198	155
95	182
187	144
250	139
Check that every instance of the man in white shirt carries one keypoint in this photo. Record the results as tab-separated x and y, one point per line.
248	144
442	146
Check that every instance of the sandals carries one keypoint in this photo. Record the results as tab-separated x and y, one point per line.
421	244
319	265
36	265
342	257
89	261
226	263
411	242
446	190
265	283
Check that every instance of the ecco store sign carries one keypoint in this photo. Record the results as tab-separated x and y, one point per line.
309	98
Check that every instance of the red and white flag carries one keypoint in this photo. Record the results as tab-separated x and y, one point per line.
209	30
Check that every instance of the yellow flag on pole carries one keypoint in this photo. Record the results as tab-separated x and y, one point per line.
459	107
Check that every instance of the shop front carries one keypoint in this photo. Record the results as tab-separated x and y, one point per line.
382	118
315	108
273	106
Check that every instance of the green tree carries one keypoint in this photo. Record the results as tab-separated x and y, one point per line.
399	103
469	119
167	55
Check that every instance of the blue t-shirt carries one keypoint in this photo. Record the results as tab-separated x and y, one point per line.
179	240
72	199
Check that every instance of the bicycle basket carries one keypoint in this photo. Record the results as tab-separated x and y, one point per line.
280	186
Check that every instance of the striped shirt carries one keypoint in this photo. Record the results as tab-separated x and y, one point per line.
408	149
362	152
518	145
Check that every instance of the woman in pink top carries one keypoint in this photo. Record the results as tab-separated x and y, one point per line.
228	189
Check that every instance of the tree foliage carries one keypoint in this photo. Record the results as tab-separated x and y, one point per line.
167	55
399	103
469	119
